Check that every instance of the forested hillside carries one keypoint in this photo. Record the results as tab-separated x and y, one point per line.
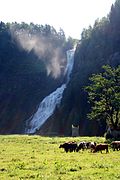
32	62
99	45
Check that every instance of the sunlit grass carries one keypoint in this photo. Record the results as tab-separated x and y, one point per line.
36	157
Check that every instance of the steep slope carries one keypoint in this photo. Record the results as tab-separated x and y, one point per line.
99	45
26	77
51	102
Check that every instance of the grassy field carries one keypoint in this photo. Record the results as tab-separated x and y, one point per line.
36	157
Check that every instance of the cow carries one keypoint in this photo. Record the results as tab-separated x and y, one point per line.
82	145
115	145
69	146
101	147
91	145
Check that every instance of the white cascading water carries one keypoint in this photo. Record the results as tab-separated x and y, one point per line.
50	102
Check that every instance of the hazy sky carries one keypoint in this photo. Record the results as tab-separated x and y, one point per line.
71	15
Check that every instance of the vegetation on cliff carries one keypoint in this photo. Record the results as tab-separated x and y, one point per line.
32	61
99	45
104	96
26	70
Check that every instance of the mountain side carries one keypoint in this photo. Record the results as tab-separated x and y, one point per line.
27	74
99	45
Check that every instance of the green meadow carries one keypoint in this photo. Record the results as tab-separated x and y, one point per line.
36	157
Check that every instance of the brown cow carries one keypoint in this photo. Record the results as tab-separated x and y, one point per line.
101	147
115	145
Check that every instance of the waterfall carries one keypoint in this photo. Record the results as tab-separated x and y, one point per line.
50	102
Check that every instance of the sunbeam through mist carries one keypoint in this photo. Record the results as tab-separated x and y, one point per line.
43	48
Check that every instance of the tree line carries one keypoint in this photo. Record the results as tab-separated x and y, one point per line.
23	74
99	46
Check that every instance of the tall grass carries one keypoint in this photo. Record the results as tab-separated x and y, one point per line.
36	157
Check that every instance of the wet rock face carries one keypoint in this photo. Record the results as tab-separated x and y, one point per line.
51	102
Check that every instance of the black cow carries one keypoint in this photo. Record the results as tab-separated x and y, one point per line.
69	146
91	145
82	145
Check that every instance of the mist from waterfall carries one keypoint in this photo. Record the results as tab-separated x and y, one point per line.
50	102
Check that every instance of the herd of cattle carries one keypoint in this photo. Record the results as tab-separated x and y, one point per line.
72	146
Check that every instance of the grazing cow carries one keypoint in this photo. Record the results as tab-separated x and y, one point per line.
91	145
101	147
69	146
115	145
82	145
